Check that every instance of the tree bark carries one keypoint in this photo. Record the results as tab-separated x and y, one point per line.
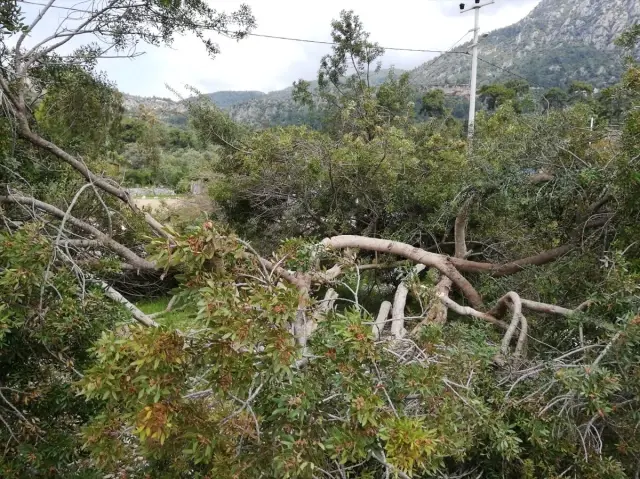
512	267
135	312
546	308
381	319
126	253
399	303
440	262
467	311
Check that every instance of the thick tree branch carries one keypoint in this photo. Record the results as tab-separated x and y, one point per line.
126	253
438	312
512	267
135	312
509	300
381	319
400	301
440	262
467	311
460	228
539	259
546	308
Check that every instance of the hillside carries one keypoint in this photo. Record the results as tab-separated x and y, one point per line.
227	99
174	112
559	41
278	108
254	108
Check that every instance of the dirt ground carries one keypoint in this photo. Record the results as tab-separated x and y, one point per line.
157	203
177	209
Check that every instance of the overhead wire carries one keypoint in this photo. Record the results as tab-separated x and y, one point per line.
435	60
510	72
278	37
322	42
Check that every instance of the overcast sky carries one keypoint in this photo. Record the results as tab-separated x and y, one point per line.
267	64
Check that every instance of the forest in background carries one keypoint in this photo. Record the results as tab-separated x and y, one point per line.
373	297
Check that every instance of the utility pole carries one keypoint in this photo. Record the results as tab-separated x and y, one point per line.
474	62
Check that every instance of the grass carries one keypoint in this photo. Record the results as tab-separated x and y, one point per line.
176	319
160	197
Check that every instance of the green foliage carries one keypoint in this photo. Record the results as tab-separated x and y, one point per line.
81	111
223	388
298	182
512	91
47	323
433	103
157	154
630	38
554	98
11	19
580	87
346	92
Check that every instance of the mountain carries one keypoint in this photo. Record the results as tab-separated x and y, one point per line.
559	41
278	108
227	99
175	112
153	103
254	108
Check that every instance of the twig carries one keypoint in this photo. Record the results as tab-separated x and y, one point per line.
378	457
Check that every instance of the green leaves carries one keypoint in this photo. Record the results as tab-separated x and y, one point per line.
409	445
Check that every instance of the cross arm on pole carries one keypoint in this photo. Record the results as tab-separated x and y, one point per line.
480	5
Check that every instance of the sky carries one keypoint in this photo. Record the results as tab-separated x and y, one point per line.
264	64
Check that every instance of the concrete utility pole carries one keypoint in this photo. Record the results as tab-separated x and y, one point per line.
474	62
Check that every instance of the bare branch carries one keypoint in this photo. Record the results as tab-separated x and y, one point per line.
29	29
32	55
440	262
381	319
139	316
130	256
467	311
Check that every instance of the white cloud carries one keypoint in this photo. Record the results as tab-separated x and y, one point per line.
266	64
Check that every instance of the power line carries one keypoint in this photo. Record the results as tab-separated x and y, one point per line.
55	6
276	37
509	72
321	42
435	60
420	50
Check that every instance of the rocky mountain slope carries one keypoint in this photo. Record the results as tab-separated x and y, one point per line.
175	112
228	99
559	41
277	108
